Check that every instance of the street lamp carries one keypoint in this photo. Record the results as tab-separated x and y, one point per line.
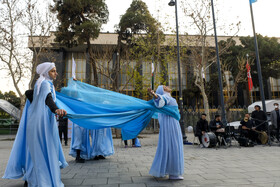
174	3
224	120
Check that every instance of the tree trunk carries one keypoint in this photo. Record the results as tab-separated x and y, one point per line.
93	64
22	103
206	104
116	66
199	82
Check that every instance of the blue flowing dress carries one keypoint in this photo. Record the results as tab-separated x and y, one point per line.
169	158
37	153
102	142
80	141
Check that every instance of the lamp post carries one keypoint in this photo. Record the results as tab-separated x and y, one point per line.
174	3
224	120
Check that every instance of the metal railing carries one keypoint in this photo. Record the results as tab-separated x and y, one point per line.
191	116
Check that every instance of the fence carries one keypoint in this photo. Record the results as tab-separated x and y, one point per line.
191	116
8	126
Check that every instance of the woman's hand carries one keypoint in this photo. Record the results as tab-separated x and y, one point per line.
150	91
61	112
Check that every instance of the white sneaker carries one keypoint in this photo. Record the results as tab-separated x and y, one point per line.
201	146
172	177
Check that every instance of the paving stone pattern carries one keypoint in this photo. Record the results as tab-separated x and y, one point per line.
129	167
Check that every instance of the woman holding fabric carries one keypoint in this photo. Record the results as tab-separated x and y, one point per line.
169	158
37	154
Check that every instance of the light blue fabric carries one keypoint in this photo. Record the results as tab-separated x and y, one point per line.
97	108
169	158
137	142
43	155
252	1
80	141
16	167
102	142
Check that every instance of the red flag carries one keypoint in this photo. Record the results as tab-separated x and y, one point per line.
250	82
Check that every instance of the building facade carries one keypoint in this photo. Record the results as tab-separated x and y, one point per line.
131	71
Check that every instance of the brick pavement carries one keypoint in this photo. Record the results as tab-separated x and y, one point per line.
129	167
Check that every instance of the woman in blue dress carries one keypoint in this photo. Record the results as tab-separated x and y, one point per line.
80	143
37	154
169	158
102	143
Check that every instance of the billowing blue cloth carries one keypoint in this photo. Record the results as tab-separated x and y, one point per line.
169	158
16	167
97	108
37	148
80	141
102	142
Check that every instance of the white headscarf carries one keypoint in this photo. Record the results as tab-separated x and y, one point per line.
43	70
161	91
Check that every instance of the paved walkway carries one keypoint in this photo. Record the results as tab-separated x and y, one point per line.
129	167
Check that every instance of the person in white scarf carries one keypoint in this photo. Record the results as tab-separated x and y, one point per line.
47	71
37	154
43	71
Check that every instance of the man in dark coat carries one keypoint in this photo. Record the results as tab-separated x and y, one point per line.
217	127
201	127
259	117
275	120
248	127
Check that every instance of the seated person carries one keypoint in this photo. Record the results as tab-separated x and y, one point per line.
217	127
201	128
260	118
247	129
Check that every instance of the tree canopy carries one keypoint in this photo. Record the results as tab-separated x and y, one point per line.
269	52
79	20
138	19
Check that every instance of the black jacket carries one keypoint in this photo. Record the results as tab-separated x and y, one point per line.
62	122
201	125
249	124
259	116
49	100
213	125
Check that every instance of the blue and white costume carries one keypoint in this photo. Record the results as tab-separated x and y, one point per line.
169	158
37	153
102	142
80	141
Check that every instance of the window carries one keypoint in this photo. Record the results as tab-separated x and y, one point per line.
80	60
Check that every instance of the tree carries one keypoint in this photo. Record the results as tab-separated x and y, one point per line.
80	22
12	98
10	44
202	54
140	37
106	59
18	20
269	52
233	61
39	25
